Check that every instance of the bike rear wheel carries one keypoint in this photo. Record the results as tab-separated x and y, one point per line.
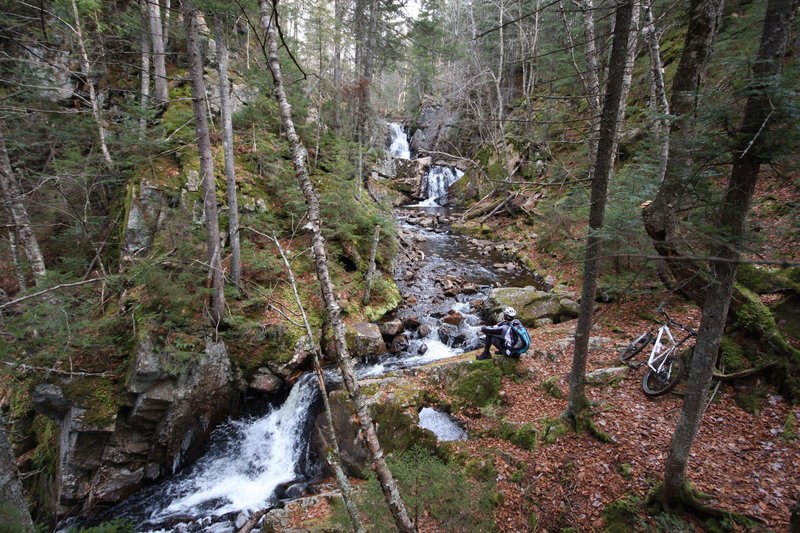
661	382
635	347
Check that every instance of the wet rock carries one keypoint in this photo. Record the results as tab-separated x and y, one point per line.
364	338
265	381
454	318
411	322
422	349
390	328
469	288
424	330
411	300
451	336
398	344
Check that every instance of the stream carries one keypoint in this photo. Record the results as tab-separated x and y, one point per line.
259	461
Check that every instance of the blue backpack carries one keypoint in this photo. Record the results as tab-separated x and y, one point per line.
523	340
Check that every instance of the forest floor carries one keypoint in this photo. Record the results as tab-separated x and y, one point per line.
745	463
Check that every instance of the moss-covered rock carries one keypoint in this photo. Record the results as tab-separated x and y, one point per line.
480	386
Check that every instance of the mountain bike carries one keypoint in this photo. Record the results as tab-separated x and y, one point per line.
665	367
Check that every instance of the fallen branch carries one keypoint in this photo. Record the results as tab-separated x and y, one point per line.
252	521
744	373
51	289
55	371
484	209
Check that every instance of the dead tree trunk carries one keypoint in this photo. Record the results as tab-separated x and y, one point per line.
13	198
332	309
159	61
227	145
747	159
144	79
334	455
578	403
199	104
87	79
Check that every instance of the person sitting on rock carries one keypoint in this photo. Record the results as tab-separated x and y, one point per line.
501	336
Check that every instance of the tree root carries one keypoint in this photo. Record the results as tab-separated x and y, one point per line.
690	501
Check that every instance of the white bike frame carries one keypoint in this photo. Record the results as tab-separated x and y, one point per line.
659	353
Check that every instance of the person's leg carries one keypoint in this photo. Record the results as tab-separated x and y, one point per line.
490	341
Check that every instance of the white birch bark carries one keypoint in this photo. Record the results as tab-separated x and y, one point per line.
13	198
227	146
86	72
159	59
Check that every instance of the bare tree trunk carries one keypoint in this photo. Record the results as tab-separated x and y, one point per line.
217	309
334	455
332	309
627	76
660	103
338	16
18	270
86	72
13	198
747	160
165	26
159	60
592	79
660	217
11	492
371	269
144	85
227	145
608	131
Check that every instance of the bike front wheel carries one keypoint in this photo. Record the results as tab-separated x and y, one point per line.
635	347
656	383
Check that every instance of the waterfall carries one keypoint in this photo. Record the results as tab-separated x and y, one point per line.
248	466
399	144
434	185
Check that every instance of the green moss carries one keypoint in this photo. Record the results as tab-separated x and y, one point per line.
732	354
552	429
481	468
752	400
550	387
100	397
625	470
790	428
480	386
397	430
620	515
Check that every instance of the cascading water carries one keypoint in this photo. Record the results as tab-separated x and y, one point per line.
248	464
253	463
399	145
435	184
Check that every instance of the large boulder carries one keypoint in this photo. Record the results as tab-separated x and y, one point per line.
364	339
532	305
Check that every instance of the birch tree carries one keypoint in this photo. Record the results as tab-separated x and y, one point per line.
747	158
86	74
159	58
226	125
332	308
13	199
200	106
578	402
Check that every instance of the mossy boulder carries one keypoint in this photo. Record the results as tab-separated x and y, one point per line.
533	305
480	386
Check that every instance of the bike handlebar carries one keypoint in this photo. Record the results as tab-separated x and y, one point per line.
672	322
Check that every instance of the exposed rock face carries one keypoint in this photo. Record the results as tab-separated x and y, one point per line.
394	405
534	307
436	125
108	450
